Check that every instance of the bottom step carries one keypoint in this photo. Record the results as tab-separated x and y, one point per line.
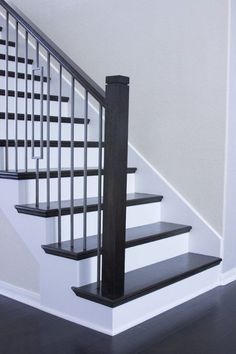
145	280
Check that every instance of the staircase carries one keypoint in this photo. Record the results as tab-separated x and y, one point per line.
67	140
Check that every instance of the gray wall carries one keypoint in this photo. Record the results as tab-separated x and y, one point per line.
176	55
229	257
17	266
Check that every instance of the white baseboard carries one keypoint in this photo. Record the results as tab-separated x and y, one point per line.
228	277
32	299
19	294
76	320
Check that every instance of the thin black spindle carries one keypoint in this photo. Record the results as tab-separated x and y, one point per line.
99	221
26	100
72	164
48	129
38	156
6	94
59	155
85	185
16	97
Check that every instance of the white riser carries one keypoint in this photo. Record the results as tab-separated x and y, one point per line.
54	106
11	50
79	157
92	188
143	255
136	216
12	66
148	306
21	85
66	130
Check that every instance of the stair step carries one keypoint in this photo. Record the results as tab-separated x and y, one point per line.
53	119
30	174
13	58
92	205
10	43
53	143
21	94
151	278
134	236
22	75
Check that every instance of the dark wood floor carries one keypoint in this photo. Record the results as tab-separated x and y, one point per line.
205	325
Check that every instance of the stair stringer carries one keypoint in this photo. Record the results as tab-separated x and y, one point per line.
203	238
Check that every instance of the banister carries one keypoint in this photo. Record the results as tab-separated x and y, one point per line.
112	147
90	85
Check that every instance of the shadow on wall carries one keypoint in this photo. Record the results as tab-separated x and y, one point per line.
17	265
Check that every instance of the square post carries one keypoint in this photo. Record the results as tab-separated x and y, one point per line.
115	181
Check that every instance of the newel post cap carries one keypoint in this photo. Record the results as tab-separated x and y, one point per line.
117	79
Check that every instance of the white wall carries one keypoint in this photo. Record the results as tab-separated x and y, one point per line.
175	53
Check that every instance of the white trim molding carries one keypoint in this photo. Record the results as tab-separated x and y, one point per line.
228	277
19	294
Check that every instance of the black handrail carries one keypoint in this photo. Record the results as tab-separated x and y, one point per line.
91	86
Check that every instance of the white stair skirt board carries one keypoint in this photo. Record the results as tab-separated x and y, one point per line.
174	208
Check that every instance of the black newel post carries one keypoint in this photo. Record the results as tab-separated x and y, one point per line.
115	180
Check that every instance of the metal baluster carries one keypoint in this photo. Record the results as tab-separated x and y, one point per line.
72	163
99	222
85	172
59	156
26	101
48	129
40	155
6	94
16	99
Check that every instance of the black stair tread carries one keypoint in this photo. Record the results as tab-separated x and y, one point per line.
21	94
53	143
12	74
92	205
53	119
10	43
134	236
13	58
145	280
30	174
